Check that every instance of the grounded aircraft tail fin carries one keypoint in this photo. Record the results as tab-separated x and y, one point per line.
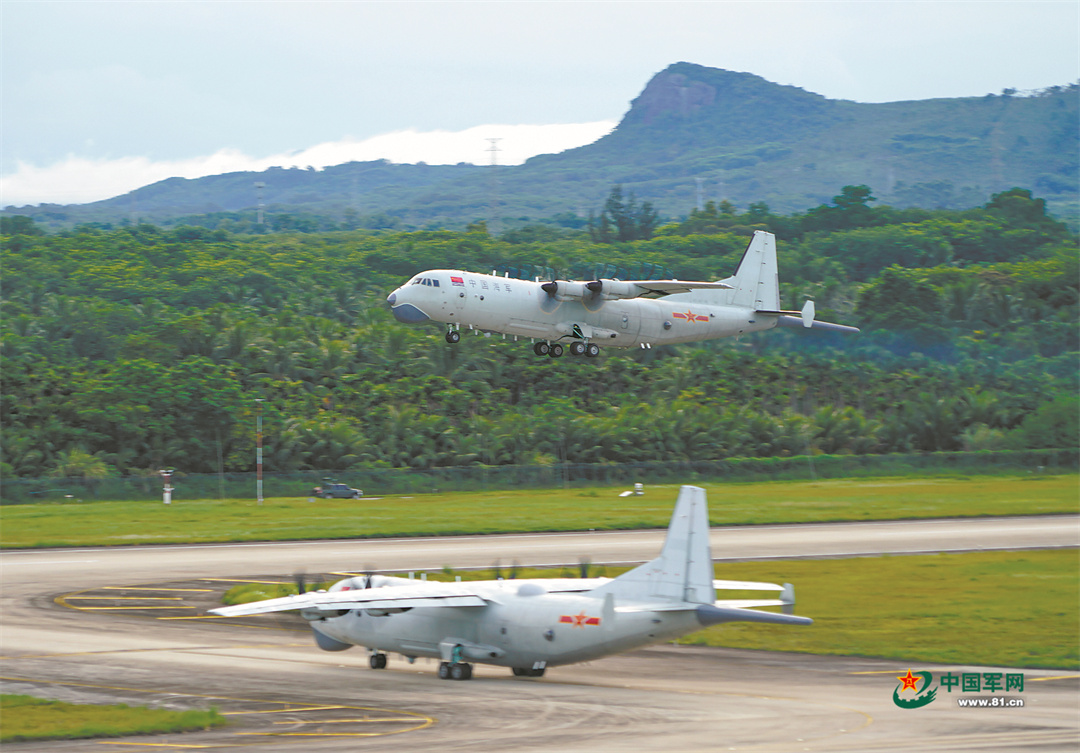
683	572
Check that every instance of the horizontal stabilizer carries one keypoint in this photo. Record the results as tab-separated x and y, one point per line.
710	614
785	320
746	585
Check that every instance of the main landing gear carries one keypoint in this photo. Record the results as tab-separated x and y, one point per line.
544	349
455	670
577	348
377	661
453	336
528	671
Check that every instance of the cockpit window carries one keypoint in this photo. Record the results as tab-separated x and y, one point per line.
435	282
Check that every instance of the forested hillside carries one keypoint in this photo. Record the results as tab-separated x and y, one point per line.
129	350
726	134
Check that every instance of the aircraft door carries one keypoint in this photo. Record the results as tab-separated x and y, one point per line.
623	318
458	294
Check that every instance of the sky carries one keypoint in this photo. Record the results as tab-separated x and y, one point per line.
99	98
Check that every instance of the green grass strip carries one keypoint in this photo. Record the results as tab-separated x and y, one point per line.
24	717
1014	609
747	503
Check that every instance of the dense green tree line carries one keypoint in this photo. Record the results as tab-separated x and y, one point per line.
132	349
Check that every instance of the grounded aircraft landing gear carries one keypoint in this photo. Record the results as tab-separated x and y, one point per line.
541	348
556	350
592	350
577	348
455	671
377	661
528	671
453	336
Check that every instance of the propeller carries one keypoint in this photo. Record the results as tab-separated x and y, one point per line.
583	567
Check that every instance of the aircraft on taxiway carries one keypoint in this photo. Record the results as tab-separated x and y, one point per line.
616	313
529	625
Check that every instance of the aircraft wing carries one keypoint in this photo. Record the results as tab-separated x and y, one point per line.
387	597
657	288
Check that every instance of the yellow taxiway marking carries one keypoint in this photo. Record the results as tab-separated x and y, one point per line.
1055	677
98	609
162	588
349	721
1026	679
130	598
197	617
241	580
325	734
167	745
180	649
284	711
422	720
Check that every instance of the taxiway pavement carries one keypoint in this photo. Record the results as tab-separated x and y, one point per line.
285	695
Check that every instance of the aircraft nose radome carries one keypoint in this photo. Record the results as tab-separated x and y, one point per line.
409	314
391	299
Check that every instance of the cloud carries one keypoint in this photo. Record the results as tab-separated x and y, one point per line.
80	180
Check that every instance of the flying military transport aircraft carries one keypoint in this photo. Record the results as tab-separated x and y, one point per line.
529	625
615	313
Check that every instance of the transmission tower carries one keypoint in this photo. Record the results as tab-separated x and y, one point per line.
259	186
493	213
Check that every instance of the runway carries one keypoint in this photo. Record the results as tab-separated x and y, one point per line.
283	694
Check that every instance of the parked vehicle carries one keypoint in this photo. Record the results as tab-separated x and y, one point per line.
340	491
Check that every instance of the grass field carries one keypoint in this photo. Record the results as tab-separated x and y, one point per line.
24	717
202	520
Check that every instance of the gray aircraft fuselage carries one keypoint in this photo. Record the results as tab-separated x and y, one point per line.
523	308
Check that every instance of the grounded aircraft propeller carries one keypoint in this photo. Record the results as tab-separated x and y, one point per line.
583	567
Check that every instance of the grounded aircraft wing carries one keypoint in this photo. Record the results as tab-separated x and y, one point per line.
387	597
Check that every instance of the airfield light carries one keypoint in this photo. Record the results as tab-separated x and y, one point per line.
167	487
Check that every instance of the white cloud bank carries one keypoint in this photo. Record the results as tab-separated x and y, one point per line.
80	180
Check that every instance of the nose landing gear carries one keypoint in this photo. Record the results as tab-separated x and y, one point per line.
453	336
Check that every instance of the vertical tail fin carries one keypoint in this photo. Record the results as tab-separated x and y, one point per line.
756	281
683	571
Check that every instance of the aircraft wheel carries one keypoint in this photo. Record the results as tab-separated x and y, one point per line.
577	348
593	350
444	670
541	349
518	671
460	671
377	661
453	336
556	350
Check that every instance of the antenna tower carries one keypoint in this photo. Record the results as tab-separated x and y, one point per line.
493	219
259	186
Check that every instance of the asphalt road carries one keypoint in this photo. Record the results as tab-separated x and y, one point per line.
123	625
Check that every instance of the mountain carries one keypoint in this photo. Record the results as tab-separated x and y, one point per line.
693	131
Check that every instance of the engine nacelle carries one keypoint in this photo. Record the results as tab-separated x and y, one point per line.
613	290
565	290
386	611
